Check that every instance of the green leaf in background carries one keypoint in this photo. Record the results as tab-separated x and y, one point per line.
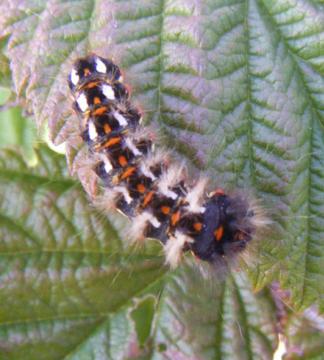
70	289
142	316
63	271
213	319
5	75
69	284
306	336
15	129
236	87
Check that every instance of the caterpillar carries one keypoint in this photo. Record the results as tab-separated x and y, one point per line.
144	184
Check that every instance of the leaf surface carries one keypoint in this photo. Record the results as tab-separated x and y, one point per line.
14	128
234	86
69	284
64	272
211	319
70	288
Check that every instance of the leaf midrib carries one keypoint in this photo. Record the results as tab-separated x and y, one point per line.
27	177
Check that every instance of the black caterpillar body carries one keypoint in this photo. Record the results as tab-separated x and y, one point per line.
143	183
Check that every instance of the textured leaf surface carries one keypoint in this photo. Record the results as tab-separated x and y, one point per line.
235	86
14	128
305	336
70	290
232	324
62	267
5	75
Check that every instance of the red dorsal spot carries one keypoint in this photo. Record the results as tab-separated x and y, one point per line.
128	172
147	199
141	188
197	226
96	100
122	160
107	128
219	192
175	218
165	210
219	232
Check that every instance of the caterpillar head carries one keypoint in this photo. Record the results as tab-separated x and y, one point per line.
93	66
229	224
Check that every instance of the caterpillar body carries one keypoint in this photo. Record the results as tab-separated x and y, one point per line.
143	183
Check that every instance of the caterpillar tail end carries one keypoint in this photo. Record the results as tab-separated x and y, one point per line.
229	224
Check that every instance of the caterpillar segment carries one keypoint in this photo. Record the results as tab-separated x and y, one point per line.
142	183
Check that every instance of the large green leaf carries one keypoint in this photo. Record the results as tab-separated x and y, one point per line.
64	273
14	128
217	320
305	336
5	76
71	289
235	86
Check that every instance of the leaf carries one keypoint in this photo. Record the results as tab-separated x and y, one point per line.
142	316
306	336
5	75
235	86
225	320
15	129
70	288
69	284
65	276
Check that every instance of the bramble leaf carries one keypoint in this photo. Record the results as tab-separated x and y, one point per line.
63	269
235	86
71	289
15	129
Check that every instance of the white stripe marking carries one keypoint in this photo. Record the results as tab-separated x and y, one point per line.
108	167
147	172
120	118
92	131
168	193
125	193
132	147
82	102
108	92
74	77
154	221
100	66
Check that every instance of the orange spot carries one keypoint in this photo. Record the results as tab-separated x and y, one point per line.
219	232
107	128
122	160
197	226
86	72
91	84
128	172
165	210
175	218
219	191
140	188
96	100
112	141
100	110
147	199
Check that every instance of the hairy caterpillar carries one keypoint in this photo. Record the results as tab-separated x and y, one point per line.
144	184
